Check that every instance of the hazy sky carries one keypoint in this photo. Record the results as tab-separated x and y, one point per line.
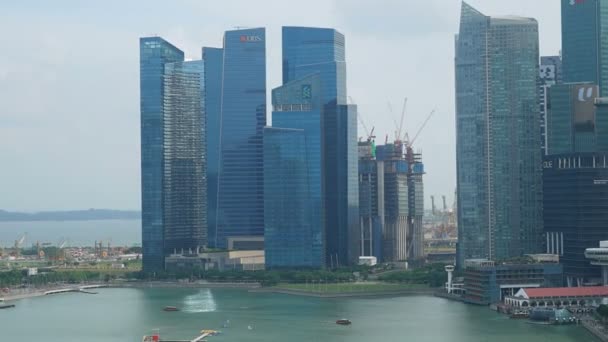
69	81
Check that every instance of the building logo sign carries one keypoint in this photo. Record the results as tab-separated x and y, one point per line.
306	92
245	39
576	2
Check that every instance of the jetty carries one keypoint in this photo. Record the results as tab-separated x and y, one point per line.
204	333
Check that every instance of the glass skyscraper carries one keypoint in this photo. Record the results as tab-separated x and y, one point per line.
154	53
296	105
292	235
497	136
584	47
214	65
308	50
341	184
313	98
240	189
184	182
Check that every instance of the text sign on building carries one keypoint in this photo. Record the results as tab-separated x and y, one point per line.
583	97
251	39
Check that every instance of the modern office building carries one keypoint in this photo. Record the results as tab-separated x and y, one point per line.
340	184
321	51
584	51
309	50
292	238
155	53
240	181
575	206
497	134
184	178
293	202
214	65
571	118
550	72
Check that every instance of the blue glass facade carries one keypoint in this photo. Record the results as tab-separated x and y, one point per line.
341	184
292	236
214	64
297	105
308	50
321	51
497	134
154	54
184	181
584	47
240	206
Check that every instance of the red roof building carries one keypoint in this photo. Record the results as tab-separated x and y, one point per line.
558	296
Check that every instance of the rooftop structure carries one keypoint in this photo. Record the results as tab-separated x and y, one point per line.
599	257
558	296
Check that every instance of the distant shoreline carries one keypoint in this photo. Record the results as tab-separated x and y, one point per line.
71	215
250	287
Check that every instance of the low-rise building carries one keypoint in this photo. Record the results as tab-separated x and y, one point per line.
222	261
486	282
558	296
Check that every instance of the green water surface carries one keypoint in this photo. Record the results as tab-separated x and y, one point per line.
124	315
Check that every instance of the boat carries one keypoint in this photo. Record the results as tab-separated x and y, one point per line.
170	308
7	306
343	321
519	314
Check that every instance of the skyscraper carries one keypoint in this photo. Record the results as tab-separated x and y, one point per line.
308	50
292	232
184	179
584	33
498	134
341	184
296	105
550	73
329	124
154	52
371	200
240	184
214	65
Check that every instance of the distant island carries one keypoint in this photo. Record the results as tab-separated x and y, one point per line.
71	215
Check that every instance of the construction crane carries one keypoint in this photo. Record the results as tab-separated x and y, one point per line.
428	117
18	244
369	134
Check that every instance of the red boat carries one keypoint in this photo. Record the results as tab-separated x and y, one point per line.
170	308
343	321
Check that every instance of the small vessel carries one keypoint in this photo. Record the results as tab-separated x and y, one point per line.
7	306
170	308
344	321
250	327
519	314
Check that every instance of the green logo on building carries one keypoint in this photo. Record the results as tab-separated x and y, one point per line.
306	92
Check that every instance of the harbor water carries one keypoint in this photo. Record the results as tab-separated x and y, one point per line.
125	314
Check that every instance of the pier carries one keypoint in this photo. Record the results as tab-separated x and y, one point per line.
200	338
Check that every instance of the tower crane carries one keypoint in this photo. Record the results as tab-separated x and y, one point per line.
18	244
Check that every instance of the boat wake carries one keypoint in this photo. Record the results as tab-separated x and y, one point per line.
203	301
